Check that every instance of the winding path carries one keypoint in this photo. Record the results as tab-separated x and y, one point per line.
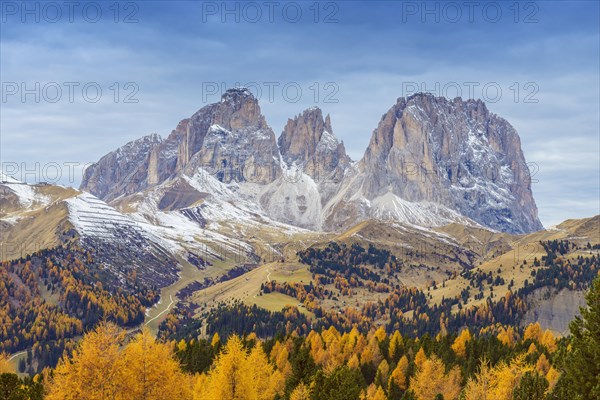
162	312
17	355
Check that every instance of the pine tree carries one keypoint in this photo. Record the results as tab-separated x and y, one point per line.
531	387
342	384
582	366
10	387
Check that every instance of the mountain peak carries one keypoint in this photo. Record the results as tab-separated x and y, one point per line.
237	95
453	153
307	134
430	99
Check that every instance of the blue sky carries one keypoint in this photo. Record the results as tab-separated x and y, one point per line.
352	59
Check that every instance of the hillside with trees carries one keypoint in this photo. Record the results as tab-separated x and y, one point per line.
499	364
55	295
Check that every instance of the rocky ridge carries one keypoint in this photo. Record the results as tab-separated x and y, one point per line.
431	161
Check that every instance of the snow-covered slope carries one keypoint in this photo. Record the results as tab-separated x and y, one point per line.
26	195
294	198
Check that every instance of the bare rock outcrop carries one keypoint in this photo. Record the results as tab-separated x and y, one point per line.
429	151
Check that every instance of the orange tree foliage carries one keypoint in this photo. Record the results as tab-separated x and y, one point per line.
105	367
108	365
55	294
431	379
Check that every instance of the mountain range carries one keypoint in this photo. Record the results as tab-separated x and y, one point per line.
430	161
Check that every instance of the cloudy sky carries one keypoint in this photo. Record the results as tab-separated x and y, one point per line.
79	81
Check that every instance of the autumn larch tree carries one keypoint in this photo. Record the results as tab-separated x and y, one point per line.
150	371
93	371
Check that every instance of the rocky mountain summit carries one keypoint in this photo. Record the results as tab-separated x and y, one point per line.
230	139
308	141
431	161
431	157
314	163
124	170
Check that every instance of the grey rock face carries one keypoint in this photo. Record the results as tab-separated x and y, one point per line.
230	139
451	152
308	142
553	309
236	143
122	171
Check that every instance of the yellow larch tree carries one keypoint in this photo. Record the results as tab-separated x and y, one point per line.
93	372
181	345
420	358
280	357
374	393
201	387
237	375
383	372
334	356
277	381
5	365
216	340
151	372
549	341
317	347
533	332
380	334
266	382
231	378
542	365
431	379
479	386
301	392
351	342
508	336
395	347
497	383
460	343
507	378
552	378
353	362
398	375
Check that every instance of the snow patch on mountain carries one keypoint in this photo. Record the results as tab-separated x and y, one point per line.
27	194
8	179
423	213
294	199
181	234
327	142
92	217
